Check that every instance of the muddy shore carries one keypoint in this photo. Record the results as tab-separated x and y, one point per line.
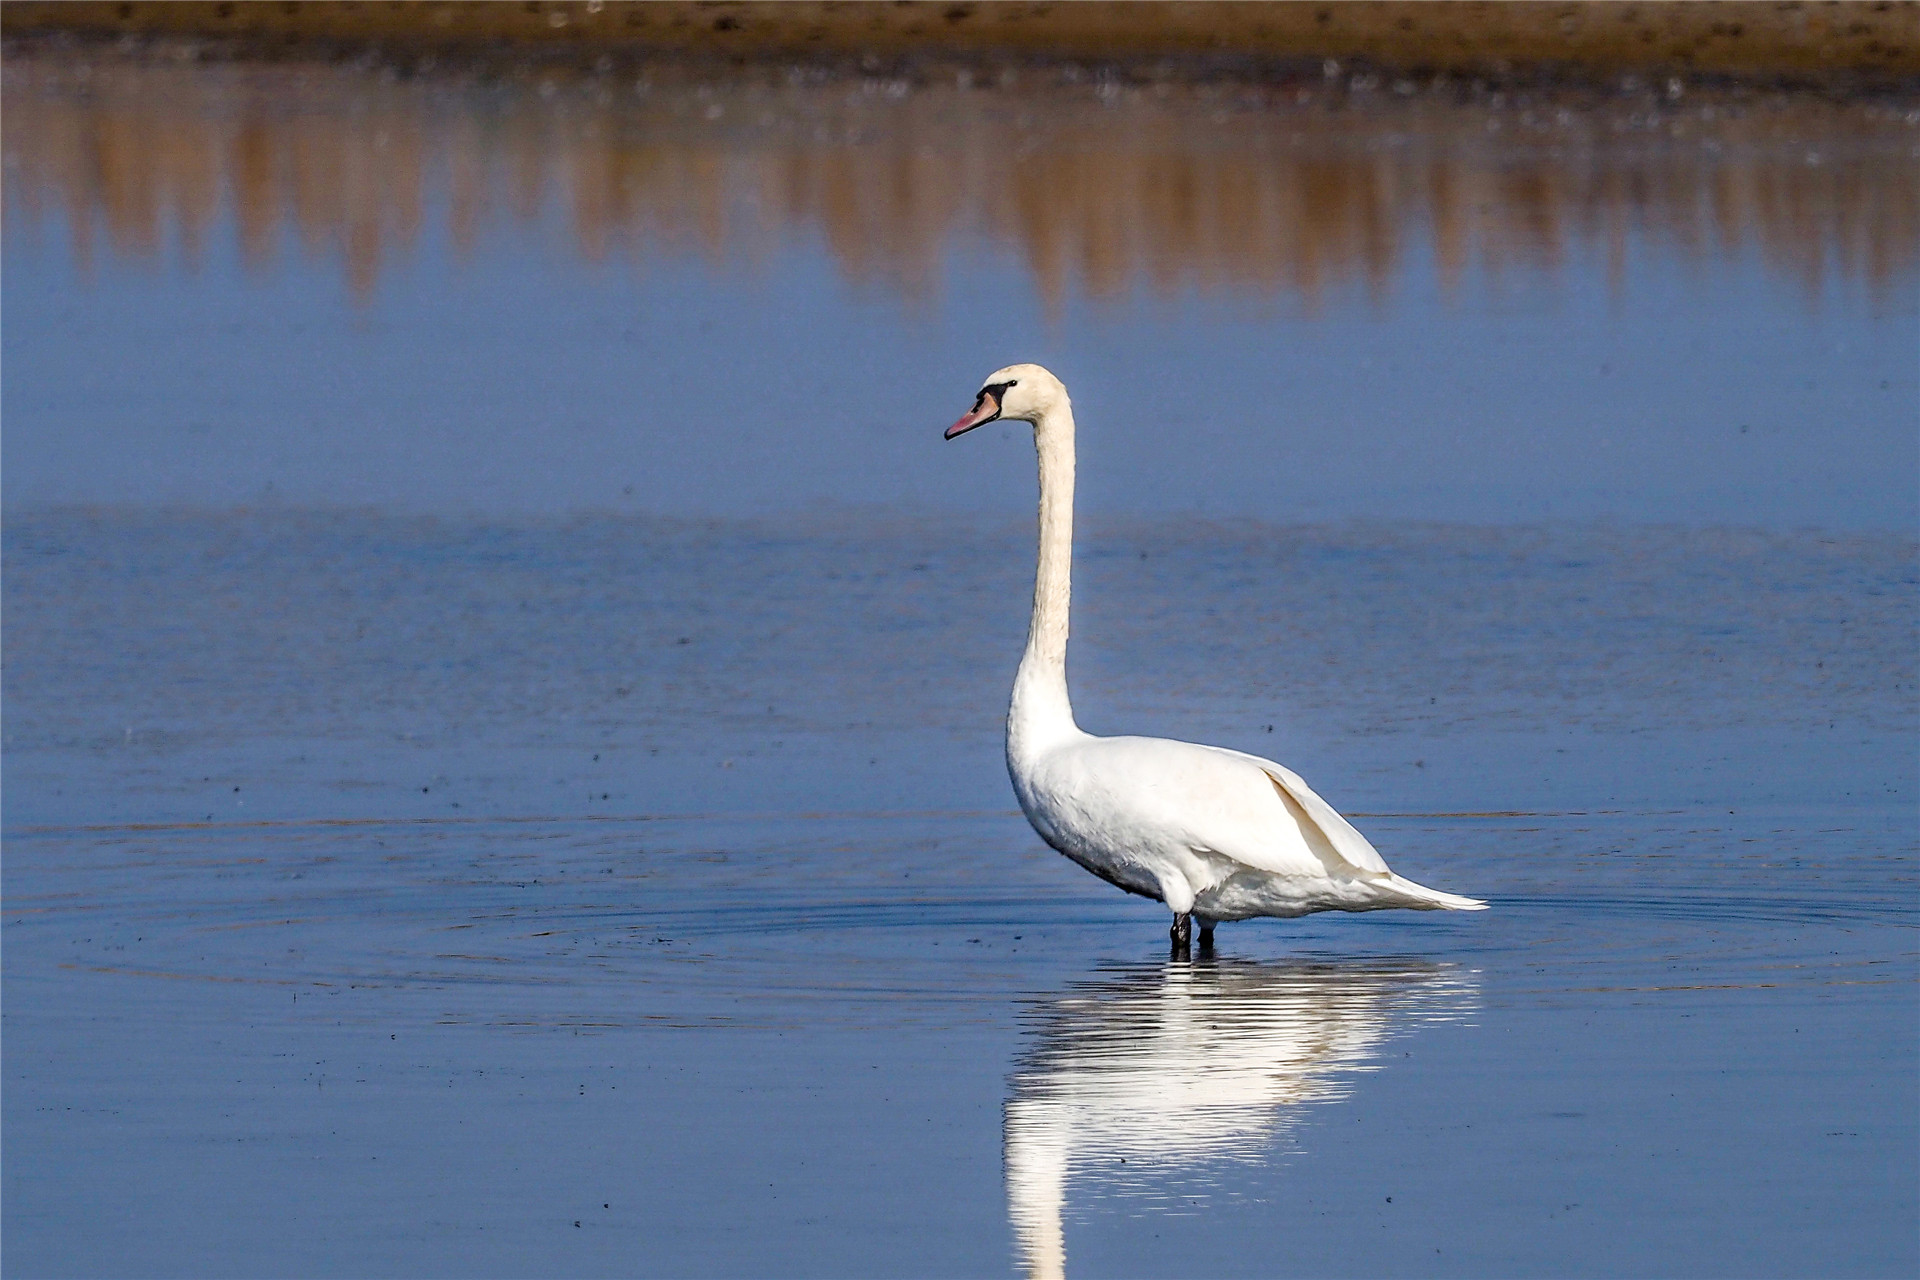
1803	43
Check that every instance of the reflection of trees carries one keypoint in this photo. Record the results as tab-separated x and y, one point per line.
1134	1076
1102	188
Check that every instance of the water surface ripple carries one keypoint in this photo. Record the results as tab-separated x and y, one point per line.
504	683
417	874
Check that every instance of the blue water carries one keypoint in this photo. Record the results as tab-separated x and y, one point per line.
502	748
329	288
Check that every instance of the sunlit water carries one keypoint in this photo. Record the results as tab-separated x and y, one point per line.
503	680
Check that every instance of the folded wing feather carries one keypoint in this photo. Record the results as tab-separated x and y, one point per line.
1213	800
1336	830
1330	837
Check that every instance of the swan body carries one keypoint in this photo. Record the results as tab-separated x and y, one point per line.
1210	832
1207	831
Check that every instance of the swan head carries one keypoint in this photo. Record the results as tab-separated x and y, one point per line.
1021	392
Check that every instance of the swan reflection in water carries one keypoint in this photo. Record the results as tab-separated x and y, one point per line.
1174	1068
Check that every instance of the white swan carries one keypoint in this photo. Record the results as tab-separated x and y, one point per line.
1210	832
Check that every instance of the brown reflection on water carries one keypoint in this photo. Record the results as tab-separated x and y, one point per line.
1103	187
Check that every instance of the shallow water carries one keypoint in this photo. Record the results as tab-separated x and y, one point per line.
416	875
443	861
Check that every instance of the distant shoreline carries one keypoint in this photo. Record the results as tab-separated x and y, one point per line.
1841	42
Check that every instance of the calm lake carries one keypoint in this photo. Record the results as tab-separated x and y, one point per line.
504	681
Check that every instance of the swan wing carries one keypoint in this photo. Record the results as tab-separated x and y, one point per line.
1320	821
1159	792
1309	810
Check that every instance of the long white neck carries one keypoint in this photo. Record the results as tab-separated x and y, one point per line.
1041	715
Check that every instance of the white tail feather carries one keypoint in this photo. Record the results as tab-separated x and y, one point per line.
1422	898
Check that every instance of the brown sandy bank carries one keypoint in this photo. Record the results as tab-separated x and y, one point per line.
1847	38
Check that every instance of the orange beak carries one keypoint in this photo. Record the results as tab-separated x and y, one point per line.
985	409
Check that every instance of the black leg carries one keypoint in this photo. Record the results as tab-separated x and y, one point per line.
1181	934
1206	939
